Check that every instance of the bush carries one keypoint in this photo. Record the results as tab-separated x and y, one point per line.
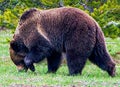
9	18
112	29
108	11
104	15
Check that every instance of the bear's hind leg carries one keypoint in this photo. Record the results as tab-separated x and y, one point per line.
100	56
54	62
76	62
103	60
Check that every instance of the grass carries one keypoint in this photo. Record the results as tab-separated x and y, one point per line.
113	45
92	76
5	36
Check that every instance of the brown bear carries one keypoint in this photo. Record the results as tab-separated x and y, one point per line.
48	33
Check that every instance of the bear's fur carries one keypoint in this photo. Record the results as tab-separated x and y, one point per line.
48	33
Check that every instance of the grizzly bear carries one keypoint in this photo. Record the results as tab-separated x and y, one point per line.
48	33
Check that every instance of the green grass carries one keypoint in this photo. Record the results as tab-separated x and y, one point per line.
5	36
92	76
113	45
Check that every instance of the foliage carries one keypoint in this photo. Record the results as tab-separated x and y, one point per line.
104	11
10	13
110	11
112	29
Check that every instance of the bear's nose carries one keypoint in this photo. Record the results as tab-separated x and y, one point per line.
20	68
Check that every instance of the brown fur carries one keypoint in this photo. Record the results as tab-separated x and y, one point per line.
17	58
48	33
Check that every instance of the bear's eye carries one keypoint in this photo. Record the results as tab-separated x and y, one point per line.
18	47
15	46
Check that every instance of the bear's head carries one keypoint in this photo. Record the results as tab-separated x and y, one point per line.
17	53
18	49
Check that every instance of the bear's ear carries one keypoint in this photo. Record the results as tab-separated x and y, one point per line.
15	46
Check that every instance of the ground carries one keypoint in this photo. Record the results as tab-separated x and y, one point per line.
92	76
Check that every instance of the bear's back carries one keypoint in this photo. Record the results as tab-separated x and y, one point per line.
65	17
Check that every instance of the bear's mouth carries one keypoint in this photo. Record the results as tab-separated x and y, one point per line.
25	69
22	69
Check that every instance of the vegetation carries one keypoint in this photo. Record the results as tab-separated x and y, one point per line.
104	11
92	77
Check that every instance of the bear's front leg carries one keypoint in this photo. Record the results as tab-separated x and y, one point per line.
54	62
29	62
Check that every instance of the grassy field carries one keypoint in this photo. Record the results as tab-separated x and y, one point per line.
92	76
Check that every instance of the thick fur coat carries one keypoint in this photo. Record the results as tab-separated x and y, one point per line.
48	33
